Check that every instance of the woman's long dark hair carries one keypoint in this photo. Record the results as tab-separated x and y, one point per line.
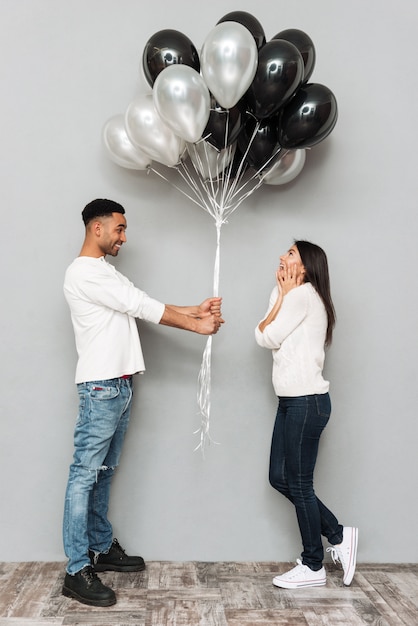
315	262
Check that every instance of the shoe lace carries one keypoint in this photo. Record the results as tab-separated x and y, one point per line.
297	569
89	575
117	547
336	554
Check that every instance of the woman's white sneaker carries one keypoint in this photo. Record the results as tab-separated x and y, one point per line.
346	553
301	576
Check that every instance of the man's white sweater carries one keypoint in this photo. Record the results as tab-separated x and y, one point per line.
104	305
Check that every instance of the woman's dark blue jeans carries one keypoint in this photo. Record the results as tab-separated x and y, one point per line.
294	450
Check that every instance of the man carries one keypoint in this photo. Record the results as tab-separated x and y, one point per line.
104	305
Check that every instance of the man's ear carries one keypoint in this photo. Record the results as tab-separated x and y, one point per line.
96	228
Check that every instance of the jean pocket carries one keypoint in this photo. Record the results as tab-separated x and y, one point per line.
100	392
323	405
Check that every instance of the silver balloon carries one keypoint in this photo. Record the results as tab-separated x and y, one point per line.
228	62
286	169
120	148
182	100
207	160
150	133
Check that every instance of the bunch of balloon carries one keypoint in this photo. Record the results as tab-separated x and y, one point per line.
239	114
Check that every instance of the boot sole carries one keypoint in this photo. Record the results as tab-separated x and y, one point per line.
118	568
69	593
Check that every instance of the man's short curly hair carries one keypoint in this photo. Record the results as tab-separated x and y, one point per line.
100	208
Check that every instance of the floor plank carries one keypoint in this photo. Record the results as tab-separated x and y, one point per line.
212	594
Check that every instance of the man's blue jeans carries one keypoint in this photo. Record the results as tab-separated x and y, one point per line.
100	429
294	450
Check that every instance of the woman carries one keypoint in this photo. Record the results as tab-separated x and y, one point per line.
297	327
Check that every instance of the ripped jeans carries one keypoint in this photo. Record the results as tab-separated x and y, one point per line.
104	409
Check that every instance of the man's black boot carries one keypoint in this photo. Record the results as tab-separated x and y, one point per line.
116	560
86	587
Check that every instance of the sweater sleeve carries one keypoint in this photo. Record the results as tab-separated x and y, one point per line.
109	288
292	312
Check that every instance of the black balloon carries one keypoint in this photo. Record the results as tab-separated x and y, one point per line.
259	141
304	44
250	22
308	118
224	125
279	74
168	47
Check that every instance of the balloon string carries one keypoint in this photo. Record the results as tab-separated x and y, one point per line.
241	166
205	373
216	270
203	397
201	205
219	196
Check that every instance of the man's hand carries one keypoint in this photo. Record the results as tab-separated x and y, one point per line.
209	316
204	318
210	306
209	324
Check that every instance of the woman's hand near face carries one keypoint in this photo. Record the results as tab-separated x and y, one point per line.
288	277
289	274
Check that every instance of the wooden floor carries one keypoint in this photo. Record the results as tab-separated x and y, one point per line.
212	594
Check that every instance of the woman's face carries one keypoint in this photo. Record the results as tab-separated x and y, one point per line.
292	260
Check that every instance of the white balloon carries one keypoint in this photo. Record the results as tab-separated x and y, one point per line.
182	100
150	133
228	62
286	169
120	148
207	160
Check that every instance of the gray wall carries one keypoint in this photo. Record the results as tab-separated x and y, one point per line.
66	68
